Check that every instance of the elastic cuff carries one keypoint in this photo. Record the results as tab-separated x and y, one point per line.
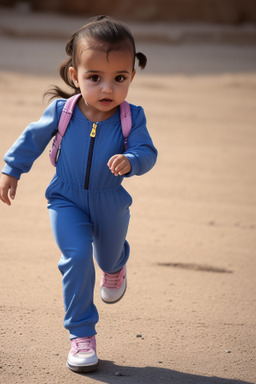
134	164
11	171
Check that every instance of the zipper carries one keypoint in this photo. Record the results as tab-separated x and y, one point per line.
89	159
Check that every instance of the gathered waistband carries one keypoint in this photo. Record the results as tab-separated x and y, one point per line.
57	178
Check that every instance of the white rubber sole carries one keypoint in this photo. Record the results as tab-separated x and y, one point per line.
83	368
119	298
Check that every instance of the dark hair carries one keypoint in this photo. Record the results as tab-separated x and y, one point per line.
102	29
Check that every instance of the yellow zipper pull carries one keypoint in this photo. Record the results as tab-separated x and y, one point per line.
93	131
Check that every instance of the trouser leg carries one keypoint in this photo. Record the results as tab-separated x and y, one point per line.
73	233
111	217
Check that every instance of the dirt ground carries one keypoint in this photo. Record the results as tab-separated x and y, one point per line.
189	312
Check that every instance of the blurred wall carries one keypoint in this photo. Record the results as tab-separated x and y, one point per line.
205	11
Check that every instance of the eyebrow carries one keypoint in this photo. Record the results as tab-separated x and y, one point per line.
92	71
124	71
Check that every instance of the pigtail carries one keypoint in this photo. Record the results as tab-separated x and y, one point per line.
56	91
142	59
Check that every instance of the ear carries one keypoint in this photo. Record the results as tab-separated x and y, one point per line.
133	74
73	76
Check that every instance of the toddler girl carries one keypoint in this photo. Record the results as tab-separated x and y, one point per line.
86	201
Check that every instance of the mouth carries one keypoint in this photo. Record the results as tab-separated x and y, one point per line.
106	101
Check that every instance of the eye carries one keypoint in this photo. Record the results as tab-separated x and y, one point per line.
95	78
120	78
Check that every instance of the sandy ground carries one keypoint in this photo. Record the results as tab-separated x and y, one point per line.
189	313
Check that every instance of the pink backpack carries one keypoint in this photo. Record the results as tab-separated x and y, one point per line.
126	122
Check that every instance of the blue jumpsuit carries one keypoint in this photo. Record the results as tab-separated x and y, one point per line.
89	209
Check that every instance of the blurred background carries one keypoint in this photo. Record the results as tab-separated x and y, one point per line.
206	11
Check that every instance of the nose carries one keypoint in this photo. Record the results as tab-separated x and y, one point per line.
107	87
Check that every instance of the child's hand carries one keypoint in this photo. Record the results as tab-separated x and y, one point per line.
119	165
7	183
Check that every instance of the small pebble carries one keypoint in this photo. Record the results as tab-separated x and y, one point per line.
228	351
118	374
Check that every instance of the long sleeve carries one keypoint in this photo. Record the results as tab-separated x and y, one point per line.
32	142
141	151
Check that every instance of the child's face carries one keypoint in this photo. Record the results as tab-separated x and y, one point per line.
103	79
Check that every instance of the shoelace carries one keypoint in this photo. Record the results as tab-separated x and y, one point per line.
82	344
113	280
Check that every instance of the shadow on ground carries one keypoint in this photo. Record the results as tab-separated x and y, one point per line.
111	373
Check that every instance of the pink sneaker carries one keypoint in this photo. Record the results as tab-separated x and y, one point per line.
82	356
113	286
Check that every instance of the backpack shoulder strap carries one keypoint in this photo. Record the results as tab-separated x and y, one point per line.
126	120
67	113
62	126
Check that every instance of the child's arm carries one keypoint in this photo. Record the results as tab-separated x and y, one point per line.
8	184
141	153
32	142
